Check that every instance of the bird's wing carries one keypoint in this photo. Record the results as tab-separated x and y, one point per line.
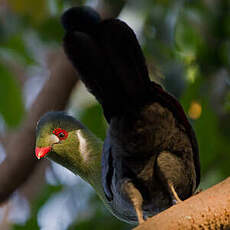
175	107
107	169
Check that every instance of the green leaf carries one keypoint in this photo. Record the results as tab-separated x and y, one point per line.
93	118
227	103
51	30
213	146
188	39
11	105
15	48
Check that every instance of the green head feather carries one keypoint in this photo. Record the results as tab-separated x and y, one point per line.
70	144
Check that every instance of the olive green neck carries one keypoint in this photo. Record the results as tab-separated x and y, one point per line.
82	155
91	149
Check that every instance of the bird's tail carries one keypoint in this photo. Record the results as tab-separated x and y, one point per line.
108	58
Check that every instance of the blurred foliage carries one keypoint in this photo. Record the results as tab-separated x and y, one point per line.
36	10
11	106
16	48
98	124
46	193
100	220
187	40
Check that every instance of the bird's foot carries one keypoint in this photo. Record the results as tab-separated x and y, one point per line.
175	197
136	199
198	191
139	216
174	201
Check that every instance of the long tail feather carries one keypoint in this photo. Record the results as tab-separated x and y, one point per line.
94	71
121	48
108	57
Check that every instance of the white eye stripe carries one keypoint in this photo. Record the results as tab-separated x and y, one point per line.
53	139
83	146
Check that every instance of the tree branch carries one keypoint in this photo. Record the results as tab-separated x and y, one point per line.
20	160
209	209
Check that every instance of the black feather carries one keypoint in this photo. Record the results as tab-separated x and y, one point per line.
145	121
80	18
95	71
121	49
111	64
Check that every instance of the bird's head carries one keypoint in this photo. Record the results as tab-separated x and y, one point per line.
61	138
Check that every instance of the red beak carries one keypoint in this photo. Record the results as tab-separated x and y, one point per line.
41	152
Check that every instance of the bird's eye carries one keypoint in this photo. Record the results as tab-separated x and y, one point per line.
60	133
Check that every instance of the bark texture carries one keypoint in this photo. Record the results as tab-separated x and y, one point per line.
209	209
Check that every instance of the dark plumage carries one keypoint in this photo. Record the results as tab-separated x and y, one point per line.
84	19
150	155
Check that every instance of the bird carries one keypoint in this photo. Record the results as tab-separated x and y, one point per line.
149	160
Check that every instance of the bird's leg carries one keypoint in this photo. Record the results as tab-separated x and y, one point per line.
172	177
133	194
174	196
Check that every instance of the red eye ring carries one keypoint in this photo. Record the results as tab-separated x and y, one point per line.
60	133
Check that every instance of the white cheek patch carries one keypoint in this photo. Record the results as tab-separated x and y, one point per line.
83	145
53	139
